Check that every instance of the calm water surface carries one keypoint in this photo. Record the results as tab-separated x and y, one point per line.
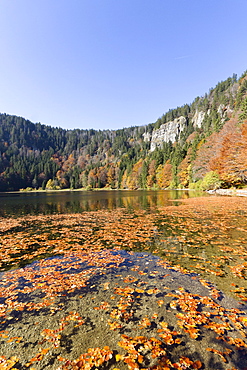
206	237
16	204
63	238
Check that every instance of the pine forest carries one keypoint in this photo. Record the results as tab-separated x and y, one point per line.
202	145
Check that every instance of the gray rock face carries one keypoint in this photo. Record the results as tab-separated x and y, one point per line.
224	110
198	118
169	131
200	115
147	137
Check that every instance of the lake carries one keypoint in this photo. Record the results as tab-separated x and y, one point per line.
123	280
21	203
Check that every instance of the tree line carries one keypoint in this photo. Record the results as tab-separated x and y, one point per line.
33	155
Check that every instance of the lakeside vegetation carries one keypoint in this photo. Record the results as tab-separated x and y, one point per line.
123	185
116	286
206	156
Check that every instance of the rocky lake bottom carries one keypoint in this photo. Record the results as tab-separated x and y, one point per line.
158	289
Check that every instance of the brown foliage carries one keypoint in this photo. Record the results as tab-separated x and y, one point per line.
224	152
164	175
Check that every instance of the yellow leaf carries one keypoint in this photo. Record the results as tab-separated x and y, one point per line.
119	357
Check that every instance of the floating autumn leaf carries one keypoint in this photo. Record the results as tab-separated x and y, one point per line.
114	325
106	285
38	357
152	291
80	274
155	316
160	302
145	322
119	357
197	364
222	354
94	357
7	364
138	290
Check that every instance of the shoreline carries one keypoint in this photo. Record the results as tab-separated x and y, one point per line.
223	192
229	192
84	189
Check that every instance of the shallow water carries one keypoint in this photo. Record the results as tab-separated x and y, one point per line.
127	301
121	272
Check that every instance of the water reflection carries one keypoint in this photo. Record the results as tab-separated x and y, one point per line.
16	204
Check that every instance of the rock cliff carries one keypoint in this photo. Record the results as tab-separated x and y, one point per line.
198	118
168	131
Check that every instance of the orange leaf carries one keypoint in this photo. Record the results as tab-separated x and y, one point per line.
197	364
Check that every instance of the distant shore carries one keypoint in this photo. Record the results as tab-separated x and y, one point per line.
227	192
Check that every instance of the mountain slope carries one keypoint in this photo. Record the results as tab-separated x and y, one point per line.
202	144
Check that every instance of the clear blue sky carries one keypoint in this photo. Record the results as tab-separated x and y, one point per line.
108	64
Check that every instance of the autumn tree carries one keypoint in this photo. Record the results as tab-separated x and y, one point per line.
151	178
184	170
232	160
111	176
134	180
164	175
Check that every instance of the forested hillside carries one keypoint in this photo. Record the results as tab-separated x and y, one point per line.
209	149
